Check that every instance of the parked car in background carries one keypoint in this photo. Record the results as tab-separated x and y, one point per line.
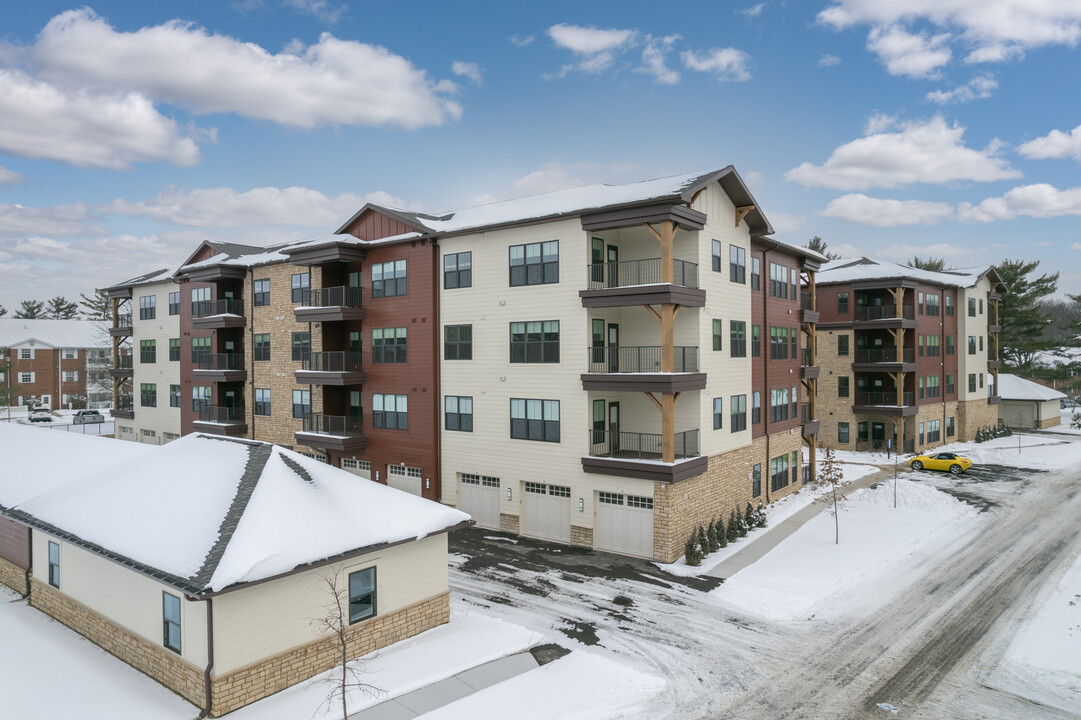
85	417
943	461
41	415
1067	403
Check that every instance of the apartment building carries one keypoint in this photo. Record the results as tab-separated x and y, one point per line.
146	357
908	358
57	363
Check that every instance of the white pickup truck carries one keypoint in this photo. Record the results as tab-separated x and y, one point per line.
85	417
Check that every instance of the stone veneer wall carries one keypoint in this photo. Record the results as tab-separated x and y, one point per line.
934	412
13	576
726	485
829	408
162	665
973	415
508	523
581	536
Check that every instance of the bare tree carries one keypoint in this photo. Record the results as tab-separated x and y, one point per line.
349	673
830	475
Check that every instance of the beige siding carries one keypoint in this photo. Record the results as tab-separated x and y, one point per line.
269	618
163	372
967	364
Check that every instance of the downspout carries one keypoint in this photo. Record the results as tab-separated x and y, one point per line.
208	689
438	374
29	554
766	418
251	345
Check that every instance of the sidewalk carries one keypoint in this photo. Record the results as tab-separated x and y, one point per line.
776	534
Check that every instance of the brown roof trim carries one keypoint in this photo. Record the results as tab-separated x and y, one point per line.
402	217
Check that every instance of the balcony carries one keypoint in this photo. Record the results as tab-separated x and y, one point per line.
992	399
330	305
884	316
808	370
885	403
220	367
638	369
217	314
125	407
332	432
884	359
218	420
124	367
994	360
808	314
638	455
638	282
810	424
338	367
123	326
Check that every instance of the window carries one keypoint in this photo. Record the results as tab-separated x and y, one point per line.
949	344
861	431
389	279
737	264
932	305
842	344
718	330
972	307
149	435
933	349
26	354
458	270
261	292
981	343
389	345
971	344
919	303
981	306
919	344
26	377
170	613
262	401
54	564
793	282
738	337
361	595
756	274
174	349
949	304
842	432
299	283
950	385
793	341
718	412
842	303
921	387
922	428
148	394
302	346
778	473
302	403
756	408
738	408
778	343
756	341
934	431
200	397
934	386
842	386
199	295
459	411
778	405
70	353
716	256
174	396
950	428
390	412
534	264
71	375
261	347
534	342
534	419
756	480
148	307
169	437
174	303
981	381
778	281
148	351
200	350
458	342
972	382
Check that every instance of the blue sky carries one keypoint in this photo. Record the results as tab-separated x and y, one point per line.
130	131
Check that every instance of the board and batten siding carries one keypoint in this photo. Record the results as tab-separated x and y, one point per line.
261	621
127	598
162	372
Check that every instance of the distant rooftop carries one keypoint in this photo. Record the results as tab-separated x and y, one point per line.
845	270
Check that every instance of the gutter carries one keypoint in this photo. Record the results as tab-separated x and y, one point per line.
767	419
30	554
208	688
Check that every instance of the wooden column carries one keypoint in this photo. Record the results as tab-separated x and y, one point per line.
899	380
898	300
666	238
116	352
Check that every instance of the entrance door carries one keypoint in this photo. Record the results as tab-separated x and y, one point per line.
613	266
230	350
613	347
229	403
597	259
613	428
597	354
878	435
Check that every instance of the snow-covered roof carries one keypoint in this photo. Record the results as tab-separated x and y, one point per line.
154	276
845	270
53	333
1011	387
206	512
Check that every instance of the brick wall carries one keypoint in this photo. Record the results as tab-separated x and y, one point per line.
13	576
973	415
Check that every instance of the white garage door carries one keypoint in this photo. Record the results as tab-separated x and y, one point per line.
478	495
546	511
404	478
358	467
624	524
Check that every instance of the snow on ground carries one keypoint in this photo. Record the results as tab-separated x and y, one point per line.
1067	421
582	685
1043	662
808	574
1027	450
49	671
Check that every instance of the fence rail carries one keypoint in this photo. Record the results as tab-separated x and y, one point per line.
884	398
644	359
640	272
333	424
220	361
640	446
885	355
340	296
208	308
218	414
332	361
884	312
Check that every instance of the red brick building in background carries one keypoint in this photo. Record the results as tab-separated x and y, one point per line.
55	362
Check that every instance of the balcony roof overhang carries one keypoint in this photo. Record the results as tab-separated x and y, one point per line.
636	215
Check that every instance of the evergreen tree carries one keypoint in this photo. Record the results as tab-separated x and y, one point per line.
1021	315
97	307
761	519
819	246
60	308
929	263
741	523
9	391
30	310
722	534
749	517
703	540
3	311
733	527
690	551
711	534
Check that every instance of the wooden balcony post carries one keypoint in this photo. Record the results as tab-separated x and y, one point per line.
668	427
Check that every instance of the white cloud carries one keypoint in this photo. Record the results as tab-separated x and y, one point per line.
467	69
917	56
321	9
1056	144
10	177
725	63
879	212
58	221
828	60
86	128
521	40
754	10
928	151
1076	246
787	223
977	88
754	179
596	47
654	59
333	82
942	250
878	123
551	177
267	206
1040	200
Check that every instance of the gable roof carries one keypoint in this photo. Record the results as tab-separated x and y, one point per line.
846	270
53	333
1012	387
154	276
247	511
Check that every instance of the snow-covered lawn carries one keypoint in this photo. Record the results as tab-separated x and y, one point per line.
1067	421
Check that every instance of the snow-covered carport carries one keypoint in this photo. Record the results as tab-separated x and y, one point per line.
1026	404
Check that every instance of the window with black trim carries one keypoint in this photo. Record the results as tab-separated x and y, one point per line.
458	270
948	301
756	480
262	401
361	595
534	342
534	419
389	279
842	303
718	413
54	564
778	473
534	264
390	412
842	344
174	303
459	413
778	405
738	338
389	345
458	342
199	296
302	403
174	349
261	292
842	432
716	256
737	264
174	396
756	408
756	341
148	395
756	274
842	386
170	612
778	343
261	347
738	408
200	350
971	344
949	344
972	382
200	397
148	351
778	281
299	284
148	307
718	332
972	307
301	345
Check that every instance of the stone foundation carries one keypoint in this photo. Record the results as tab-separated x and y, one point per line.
13	576
508	523
973	415
581	536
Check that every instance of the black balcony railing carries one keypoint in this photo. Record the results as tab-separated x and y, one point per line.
640	272
625	359
125	402
640	446
333	424
124	362
123	320
217	414
805	301
340	296
884	398
219	361
805	357
885	355
884	312
208	308
805	413
333	361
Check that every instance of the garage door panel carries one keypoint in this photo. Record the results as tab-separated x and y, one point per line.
479	496
546	511
624	524
402	478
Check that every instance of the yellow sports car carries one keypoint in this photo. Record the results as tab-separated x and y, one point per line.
943	461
